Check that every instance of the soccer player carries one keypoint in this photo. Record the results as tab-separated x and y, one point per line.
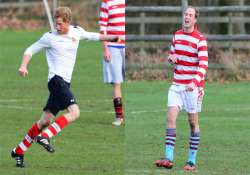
61	49
112	21
190	59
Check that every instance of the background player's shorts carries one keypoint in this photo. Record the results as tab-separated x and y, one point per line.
60	96
190	101
114	71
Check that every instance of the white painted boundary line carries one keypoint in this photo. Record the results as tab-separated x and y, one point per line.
139	111
29	100
232	109
131	112
32	108
14	100
17	107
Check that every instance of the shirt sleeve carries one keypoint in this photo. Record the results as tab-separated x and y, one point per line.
88	35
203	61
104	16
41	44
172	50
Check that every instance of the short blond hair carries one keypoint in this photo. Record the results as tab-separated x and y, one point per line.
64	13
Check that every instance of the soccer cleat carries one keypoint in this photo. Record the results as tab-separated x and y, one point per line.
19	159
164	163
43	141
118	122
190	166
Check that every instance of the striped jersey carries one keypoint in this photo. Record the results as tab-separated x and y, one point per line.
192	62
112	20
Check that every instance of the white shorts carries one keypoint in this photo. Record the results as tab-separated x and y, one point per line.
114	71
190	101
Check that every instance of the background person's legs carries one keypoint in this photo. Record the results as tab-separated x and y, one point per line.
117	101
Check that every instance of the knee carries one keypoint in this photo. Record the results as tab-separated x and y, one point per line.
75	113
43	123
116	90
172	116
193	124
171	121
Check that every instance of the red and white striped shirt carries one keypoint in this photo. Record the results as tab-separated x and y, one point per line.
112	20
192	62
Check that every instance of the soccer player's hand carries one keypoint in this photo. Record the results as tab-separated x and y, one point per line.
107	54
190	87
114	39
23	71
173	58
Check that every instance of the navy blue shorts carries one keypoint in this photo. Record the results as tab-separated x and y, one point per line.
60	97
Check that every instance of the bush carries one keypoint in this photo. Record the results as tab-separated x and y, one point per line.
224	65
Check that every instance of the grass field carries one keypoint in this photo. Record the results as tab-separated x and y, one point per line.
90	146
224	124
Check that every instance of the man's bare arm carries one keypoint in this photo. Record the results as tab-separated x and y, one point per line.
23	69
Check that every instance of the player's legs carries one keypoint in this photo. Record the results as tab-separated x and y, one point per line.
118	105
72	114
118	74
193	119
114	73
174	107
175	104
170	139
193	105
60	98
194	140
114	70
35	130
43	139
167	161
116	90
45	119
24	145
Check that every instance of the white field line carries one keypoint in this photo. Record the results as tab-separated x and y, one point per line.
32	108
14	100
21	107
17	107
139	111
228	109
30	100
131	112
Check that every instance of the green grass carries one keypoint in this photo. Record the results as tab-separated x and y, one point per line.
90	146
224	124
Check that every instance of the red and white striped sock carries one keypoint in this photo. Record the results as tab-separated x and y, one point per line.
56	127
118	108
27	141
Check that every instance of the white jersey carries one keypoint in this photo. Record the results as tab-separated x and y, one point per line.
61	50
